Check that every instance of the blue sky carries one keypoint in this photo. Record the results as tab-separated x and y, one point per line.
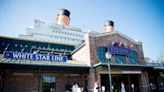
138	19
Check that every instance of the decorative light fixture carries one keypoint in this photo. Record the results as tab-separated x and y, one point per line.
120	44
22	50
6	48
125	44
16	45
26	46
113	43
108	57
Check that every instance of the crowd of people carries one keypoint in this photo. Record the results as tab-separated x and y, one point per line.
75	88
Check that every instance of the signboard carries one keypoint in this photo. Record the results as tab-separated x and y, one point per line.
158	65
118	50
122	72
155	64
131	72
30	56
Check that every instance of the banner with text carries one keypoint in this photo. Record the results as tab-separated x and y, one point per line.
118	50
30	56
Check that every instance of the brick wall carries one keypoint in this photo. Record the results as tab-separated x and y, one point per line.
20	81
27	80
104	41
88	53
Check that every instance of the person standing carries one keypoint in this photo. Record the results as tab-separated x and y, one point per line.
122	87
75	87
96	87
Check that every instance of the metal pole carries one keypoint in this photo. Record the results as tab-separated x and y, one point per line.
110	78
39	76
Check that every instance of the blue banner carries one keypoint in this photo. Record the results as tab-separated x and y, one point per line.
30	56
119	50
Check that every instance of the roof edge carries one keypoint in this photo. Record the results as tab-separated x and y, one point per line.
117	32
78	48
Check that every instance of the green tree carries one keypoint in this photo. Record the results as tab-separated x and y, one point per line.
160	59
147	59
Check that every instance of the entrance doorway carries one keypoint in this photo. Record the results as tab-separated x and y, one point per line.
48	83
126	79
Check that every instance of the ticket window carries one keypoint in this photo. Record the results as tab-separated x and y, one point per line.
48	83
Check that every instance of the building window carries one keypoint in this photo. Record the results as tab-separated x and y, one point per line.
101	54
120	59
134	57
48	83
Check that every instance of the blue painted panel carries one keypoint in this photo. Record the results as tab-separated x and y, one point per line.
30	56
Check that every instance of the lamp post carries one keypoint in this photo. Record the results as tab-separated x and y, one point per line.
108	57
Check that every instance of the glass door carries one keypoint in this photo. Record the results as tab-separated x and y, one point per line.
48	83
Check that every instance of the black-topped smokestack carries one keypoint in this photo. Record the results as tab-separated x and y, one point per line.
109	26
109	23
64	12
63	17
